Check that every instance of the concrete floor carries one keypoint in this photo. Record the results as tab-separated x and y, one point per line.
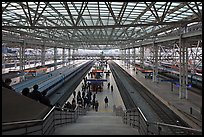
97	123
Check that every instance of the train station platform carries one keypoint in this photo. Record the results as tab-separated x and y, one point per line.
104	121
188	109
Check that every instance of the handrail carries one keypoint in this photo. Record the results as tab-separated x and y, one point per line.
142	114
46	128
29	121
160	124
187	128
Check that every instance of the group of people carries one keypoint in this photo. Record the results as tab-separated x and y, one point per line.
109	86
84	99
35	94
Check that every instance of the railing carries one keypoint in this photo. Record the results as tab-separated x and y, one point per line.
46	126
136	119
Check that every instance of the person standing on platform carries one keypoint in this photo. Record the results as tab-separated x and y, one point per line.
106	101
93	101
74	93
83	94
108	85
73	104
96	105
111	88
35	94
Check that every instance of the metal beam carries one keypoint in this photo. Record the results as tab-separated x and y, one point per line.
199	15
105	26
156	17
31	23
3	8
111	11
35	21
69	12
81	12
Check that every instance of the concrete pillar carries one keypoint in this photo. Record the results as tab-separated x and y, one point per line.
134	57
183	67
63	56
142	56
121	54
73	55
155	65
55	58
69	55
22	56
43	55
125	61
129	58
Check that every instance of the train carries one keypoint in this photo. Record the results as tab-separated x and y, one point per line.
172	71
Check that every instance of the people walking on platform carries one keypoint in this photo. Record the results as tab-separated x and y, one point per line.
80	102
93	101
73	104
35	94
89	86
83	87
96	105
74	93
111	88
68	106
106	101
83	94
108	85
85	102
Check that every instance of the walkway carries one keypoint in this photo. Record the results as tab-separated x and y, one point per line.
103	122
97	123
162	91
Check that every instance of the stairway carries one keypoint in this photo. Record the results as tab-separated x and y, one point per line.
97	123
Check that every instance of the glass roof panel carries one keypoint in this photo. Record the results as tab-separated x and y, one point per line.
56	14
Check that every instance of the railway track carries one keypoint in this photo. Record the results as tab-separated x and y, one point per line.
192	89
166	115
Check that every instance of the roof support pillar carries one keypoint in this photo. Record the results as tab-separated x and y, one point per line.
142	56
128	60
73	55
134	57
63	56
69	55
55	58
155	65
183	69
123	56
43	55
22	56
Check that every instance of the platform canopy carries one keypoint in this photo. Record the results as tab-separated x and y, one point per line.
95	25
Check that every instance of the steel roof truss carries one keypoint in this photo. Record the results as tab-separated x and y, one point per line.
165	11
81	12
4	8
68	11
36	20
111	11
198	14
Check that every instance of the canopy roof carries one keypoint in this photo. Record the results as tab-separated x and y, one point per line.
96	25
